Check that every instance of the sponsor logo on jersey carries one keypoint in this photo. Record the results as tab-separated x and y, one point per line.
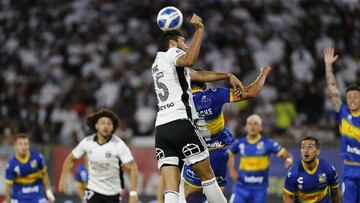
108	155
253	179
32	189
353	150
33	164
322	178
260	146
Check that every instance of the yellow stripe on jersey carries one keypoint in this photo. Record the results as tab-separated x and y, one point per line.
288	192
349	130
31	178
281	152
231	96
254	163
216	125
9	182
313	170
312	197
335	186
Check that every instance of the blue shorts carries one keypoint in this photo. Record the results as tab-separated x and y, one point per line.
218	161
248	195
351	184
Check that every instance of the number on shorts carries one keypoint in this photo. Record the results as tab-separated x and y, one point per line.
89	194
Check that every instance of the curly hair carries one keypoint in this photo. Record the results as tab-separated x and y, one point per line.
93	118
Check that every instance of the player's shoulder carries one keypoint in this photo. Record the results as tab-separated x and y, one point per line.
89	138
11	161
295	169
117	140
36	154
327	166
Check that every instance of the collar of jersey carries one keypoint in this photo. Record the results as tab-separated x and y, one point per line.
96	140
310	171
23	160
253	141
356	114
196	90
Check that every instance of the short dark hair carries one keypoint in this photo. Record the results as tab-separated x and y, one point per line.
199	84
93	118
317	143
21	136
165	37
353	87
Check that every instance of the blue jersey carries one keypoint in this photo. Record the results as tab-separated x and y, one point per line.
81	176
209	105
311	186
349	126
254	162
26	176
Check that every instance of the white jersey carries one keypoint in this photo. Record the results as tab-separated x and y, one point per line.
104	163
172	87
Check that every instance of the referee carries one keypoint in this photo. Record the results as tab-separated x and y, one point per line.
106	153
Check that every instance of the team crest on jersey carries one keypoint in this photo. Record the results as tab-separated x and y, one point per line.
33	164
322	178
205	99
108	155
17	170
260	146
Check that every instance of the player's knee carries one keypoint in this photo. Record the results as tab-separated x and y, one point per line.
196	197
203	170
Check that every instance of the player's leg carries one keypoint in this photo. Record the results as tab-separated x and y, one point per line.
171	176
349	190
208	181
192	186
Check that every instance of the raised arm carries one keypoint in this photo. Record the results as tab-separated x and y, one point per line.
254	88
209	76
68	165
191	55
329	59
133	170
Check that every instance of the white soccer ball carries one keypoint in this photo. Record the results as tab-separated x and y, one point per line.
169	18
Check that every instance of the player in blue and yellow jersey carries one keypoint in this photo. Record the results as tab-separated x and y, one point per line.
253	172
26	176
311	179
349	126
81	178
209	105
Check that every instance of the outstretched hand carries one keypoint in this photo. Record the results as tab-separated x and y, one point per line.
266	70
196	21
329	57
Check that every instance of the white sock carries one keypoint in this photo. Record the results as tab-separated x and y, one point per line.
171	196
213	192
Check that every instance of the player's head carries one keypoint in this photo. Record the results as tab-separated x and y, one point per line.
21	144
353	98
310	149
103	122
253	125
171	39
198	84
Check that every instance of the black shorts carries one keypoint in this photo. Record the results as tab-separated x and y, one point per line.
178	140
94	197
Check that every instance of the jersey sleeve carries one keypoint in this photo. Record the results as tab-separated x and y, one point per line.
333	178
224	95
174	54
9	174
275	148
124	153
234	149
290	182
42	165
80	149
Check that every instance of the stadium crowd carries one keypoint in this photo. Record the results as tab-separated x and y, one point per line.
60	60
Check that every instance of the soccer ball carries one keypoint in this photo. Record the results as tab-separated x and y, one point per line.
169	18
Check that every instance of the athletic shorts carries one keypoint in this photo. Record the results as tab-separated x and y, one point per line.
178	140
94	197
218	161
351	184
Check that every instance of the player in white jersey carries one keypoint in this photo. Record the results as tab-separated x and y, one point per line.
105	154
177	138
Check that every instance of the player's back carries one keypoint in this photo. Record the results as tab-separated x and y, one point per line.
349	126
172	87
311	186
26	176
